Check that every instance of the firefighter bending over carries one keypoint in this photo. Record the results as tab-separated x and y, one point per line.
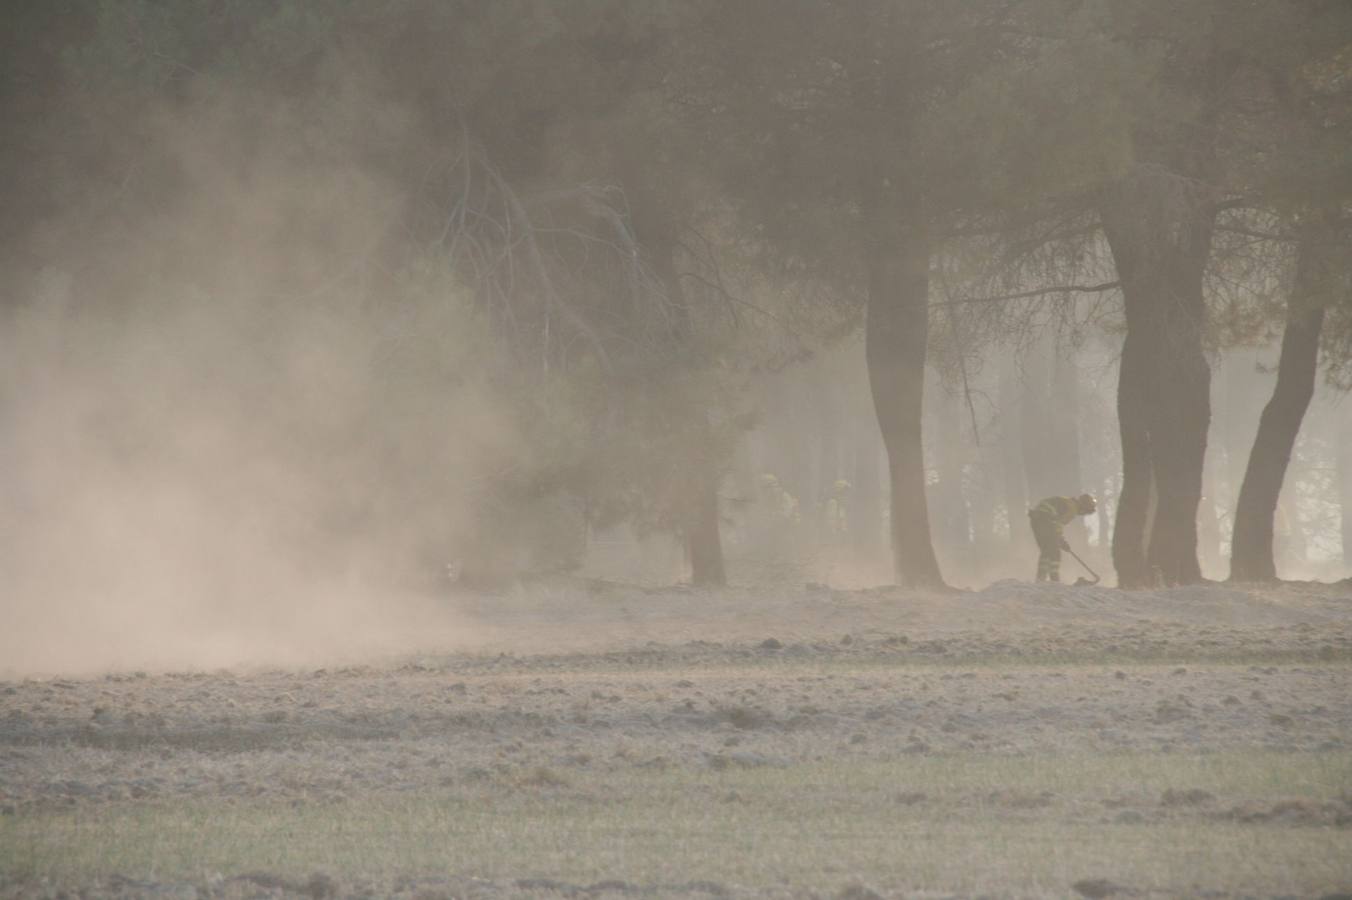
1049	519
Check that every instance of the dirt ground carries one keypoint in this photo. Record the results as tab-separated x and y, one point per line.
584	684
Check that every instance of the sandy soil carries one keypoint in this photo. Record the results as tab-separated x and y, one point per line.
597	678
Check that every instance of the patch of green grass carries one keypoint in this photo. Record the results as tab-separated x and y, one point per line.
816	826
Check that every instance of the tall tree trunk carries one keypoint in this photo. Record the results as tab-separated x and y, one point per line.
704	542
1159	228
1252	557
1180	433
1239	404
700	523
896	335
1131	527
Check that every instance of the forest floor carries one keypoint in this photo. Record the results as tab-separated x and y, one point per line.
600	740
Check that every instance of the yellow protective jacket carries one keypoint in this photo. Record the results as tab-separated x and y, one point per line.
1058	511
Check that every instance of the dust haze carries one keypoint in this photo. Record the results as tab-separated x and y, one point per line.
223	448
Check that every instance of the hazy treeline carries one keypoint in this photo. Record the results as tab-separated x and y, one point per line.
304	297
1013	456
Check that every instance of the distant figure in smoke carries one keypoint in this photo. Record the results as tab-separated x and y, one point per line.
1049	519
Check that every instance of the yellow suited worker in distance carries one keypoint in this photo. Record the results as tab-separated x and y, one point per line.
1049	519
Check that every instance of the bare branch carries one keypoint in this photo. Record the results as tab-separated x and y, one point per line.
1260	235
731	298
1040	292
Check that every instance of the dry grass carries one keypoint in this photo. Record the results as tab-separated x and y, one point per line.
1012	743
966	824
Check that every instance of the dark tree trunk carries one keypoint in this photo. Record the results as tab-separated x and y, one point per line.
1240	393
895	345
698	510
1179	437
701	522
1131	527
704	542
1252	557
1159	228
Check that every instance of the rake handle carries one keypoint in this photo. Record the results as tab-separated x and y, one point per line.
1085	564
